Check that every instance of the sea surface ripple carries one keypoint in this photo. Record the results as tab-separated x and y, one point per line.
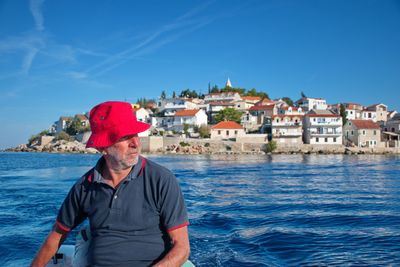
279	210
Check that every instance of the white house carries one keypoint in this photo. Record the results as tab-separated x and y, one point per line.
287	129
193	117
222	97
288	110
62	123
143	115
169	106
308	103
227	130
322	127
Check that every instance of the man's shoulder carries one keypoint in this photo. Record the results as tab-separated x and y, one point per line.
86	179
157	171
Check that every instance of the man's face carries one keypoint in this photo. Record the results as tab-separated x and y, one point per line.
124	153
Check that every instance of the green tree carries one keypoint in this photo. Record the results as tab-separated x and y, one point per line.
253	92
186	128
214	89
288	101
204	131
189	93
271	146
228	114
173	94
75	126
63	136
163	95
343	114
233	89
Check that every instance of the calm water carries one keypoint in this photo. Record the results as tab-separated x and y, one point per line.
311	210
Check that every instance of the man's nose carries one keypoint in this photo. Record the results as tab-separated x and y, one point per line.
134	141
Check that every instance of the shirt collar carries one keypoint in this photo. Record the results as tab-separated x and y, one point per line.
133	174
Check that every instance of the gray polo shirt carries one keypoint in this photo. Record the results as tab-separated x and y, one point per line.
130	223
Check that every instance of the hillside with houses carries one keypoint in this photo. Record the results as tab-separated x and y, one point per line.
231	116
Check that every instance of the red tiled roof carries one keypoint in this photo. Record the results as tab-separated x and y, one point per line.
265	100
263	107
365	124
186	112
227	125
253	98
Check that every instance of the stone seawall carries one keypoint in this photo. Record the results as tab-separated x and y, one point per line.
178	145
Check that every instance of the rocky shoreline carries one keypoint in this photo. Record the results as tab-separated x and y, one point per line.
208	147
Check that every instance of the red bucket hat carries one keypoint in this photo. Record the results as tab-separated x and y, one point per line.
110	121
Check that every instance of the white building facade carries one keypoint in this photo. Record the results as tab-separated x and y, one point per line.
322	128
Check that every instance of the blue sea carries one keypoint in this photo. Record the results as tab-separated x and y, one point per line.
279	210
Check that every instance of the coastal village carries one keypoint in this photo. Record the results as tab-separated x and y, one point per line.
226	121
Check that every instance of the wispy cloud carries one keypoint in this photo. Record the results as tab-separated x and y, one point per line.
29	44
76	75
36	10
182	25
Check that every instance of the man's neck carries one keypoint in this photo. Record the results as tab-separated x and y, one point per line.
114	176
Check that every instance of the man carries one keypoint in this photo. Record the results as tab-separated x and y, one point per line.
135	207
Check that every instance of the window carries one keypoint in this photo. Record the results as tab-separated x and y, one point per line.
236	132
317	140
326	140
352	133
363	132
334	139
219	132
227	132
374	132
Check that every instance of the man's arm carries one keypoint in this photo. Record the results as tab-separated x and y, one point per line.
180	251
50	246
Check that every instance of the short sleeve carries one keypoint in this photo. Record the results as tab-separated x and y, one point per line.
71	213
173	210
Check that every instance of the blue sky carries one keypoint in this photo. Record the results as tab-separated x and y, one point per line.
62	57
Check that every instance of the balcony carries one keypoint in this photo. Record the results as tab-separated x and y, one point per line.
323	134
288	124
286	134
327	123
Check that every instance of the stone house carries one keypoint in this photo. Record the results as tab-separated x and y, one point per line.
393	124
378	112
362	133
227	130
257	116
322	127
246	102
